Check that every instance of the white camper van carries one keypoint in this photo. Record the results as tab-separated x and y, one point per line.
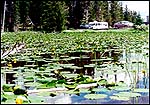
98	25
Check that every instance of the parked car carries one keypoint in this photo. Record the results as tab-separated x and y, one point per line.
84	26
123	24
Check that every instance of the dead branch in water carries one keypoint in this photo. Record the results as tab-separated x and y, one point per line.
16	48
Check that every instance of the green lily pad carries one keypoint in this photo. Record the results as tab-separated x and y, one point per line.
70	86
75	67
84	91
35	99
102	82
72	92
127	94
119	88
141	90
71	75
95	96
100	90
30	66
89	66
43	93
119	98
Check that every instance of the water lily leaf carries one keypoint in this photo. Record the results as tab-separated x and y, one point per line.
95	96
100	90
71	75
119	88
66	65
71	86
89	66
84	91
35	99
119	98
127	94
141	90
121	84
122	88
65	72
102	82
43	93
72	92
30	66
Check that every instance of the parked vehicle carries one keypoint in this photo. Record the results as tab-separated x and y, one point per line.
84	26
98	25
123	24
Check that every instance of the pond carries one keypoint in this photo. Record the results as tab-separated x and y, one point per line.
114	74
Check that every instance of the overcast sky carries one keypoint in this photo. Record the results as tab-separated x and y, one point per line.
138	6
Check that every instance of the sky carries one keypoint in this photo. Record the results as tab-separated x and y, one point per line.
138	6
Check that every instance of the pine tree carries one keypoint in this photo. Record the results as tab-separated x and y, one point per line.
85	9
16	15
120	7
126	14
134	14
53	16
115	14
24	12
139	20
105	9
35	16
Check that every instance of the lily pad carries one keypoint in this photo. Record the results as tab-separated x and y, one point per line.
71	75
119	88
72	92
95	96
84	91
127	94
119	98
35	99
102	82
100	90
43	93
89	66
141	90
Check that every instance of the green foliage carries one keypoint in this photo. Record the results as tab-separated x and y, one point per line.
51	84
3	98
95	96
102	82
7	88
53	16
141	27
115	14
139	20
20	91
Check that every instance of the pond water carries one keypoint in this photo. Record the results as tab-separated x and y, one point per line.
132	62
79	99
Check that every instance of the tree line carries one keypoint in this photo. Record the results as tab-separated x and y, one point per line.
55	16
